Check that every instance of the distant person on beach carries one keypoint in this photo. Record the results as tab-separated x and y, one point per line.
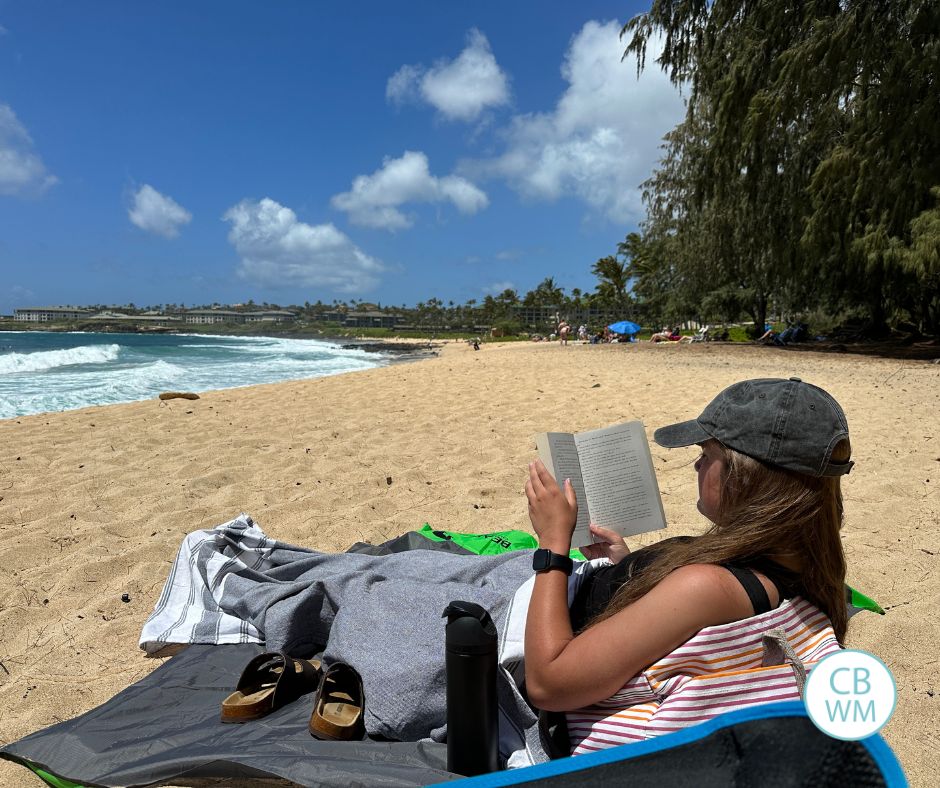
582	333
662	336
796	332
563	330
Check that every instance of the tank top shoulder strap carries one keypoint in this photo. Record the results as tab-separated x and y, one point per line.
752	586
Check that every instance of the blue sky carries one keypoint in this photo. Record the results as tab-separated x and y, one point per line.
292	151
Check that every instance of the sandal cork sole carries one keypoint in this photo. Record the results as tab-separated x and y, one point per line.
257	693
339	705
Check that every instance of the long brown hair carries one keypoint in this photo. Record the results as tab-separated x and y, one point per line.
765	512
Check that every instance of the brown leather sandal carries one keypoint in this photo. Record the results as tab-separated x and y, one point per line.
265	686
339	705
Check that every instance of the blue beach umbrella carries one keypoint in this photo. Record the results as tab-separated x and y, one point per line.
624	327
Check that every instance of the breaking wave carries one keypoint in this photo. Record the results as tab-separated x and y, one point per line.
13	363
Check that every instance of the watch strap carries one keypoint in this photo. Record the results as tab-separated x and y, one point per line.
545	560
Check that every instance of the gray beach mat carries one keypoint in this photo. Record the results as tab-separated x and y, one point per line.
382	614
166	728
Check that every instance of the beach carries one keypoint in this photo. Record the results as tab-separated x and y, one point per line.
95	502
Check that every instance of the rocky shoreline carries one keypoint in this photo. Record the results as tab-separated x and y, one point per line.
399	351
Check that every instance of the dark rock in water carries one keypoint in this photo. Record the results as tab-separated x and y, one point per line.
390	347
395	348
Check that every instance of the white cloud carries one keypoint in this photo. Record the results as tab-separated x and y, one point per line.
601	141
459	89
22	293
374	200
404	85
22	172
156	213
277	250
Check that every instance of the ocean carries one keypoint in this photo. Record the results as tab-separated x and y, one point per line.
52	371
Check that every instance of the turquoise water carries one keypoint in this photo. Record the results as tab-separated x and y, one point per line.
52	371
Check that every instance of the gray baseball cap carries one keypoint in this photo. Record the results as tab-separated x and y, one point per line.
787	423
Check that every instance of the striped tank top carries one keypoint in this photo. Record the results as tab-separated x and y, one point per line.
719	669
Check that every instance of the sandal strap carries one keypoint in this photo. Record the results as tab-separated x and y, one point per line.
258	666
289	683
292	682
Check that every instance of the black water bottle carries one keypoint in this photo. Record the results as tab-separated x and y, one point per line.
472	736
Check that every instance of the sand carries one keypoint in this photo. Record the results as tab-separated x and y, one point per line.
94	503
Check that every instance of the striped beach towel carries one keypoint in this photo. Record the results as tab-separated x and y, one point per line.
720	669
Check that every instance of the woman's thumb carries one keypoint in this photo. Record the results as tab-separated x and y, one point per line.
607	533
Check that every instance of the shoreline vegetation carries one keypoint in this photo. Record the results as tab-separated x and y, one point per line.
420	342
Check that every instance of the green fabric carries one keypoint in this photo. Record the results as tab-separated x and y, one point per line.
858	600
51	779
489	544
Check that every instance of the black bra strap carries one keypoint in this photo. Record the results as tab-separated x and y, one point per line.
754	588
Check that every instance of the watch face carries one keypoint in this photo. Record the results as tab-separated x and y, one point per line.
541	560
544	559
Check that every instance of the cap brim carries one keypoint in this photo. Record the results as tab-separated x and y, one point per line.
685	433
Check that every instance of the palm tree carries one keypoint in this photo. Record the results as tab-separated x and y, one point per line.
546	293
614	278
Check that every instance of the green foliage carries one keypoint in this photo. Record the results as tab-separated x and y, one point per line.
546	293
922	259
802	172
614	277
740	333
508	328
724	304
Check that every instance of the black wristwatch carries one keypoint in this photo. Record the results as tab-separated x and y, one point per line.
543	560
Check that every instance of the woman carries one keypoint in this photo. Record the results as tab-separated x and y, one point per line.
772	454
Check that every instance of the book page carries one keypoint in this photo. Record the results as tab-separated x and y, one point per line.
619	480
560	455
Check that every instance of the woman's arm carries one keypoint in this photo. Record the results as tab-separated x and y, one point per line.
564	671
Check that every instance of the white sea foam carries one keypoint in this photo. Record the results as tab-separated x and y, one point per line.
141	367
145	376
13	363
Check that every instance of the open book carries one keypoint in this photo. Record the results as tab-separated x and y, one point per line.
611	470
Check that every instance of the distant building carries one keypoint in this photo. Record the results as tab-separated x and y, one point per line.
270	316
204	316
149	319
544	317
212	316
48	314
371	320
